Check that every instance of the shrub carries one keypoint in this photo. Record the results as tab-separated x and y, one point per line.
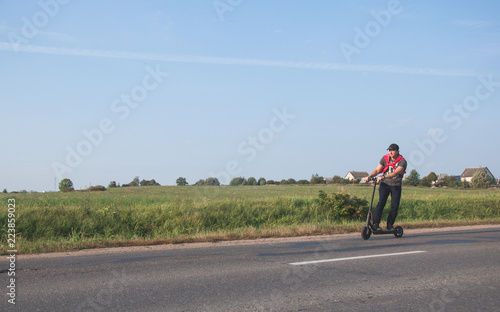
98	188
343	206
481	180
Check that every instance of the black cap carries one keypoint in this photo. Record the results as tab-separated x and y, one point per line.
394	147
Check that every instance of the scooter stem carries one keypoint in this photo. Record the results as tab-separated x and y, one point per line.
373	194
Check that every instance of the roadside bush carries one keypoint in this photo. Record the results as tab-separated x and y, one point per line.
343	206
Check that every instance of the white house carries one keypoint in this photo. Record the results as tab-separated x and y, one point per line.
469	173
354	175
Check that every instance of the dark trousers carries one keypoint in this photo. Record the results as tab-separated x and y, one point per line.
383	193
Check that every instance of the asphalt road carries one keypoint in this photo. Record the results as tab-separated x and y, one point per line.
452	270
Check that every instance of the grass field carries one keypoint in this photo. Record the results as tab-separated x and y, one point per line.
47	222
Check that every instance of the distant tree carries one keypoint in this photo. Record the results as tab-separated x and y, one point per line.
252	181
212	182
302	182
262	181
66	185
337	180
450	181
112	184
135	182
481	180
238	181
413	178
428	179
291	181
432	176
151	182
181	181
200	182
271	182
316	179
4	190
425	182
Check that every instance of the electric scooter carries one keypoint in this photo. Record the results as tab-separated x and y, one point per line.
368	228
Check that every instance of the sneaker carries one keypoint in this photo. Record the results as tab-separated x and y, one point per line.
390	227
376	227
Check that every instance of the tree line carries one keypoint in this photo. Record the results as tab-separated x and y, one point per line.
237	181
479	180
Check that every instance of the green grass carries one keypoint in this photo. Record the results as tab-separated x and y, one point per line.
157	215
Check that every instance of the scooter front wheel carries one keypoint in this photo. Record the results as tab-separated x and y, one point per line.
366	233
398	231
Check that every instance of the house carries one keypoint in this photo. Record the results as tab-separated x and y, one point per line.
354	175
469	173
441	176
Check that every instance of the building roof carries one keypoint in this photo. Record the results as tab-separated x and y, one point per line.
469	172
358	174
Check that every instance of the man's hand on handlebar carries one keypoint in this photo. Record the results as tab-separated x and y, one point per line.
373	179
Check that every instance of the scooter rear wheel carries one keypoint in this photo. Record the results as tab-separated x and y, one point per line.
366	233
398	231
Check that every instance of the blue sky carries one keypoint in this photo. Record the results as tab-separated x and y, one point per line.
100	91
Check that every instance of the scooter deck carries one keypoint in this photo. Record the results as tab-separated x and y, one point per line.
384	232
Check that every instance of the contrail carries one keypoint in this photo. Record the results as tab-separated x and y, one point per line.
390	69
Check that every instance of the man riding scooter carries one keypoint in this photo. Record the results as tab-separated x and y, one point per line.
393	167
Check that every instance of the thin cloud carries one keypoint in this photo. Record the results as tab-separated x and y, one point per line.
470	24
390	69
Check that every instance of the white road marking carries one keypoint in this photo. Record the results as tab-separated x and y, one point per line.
356	258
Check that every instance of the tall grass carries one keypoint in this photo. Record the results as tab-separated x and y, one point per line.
128	216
